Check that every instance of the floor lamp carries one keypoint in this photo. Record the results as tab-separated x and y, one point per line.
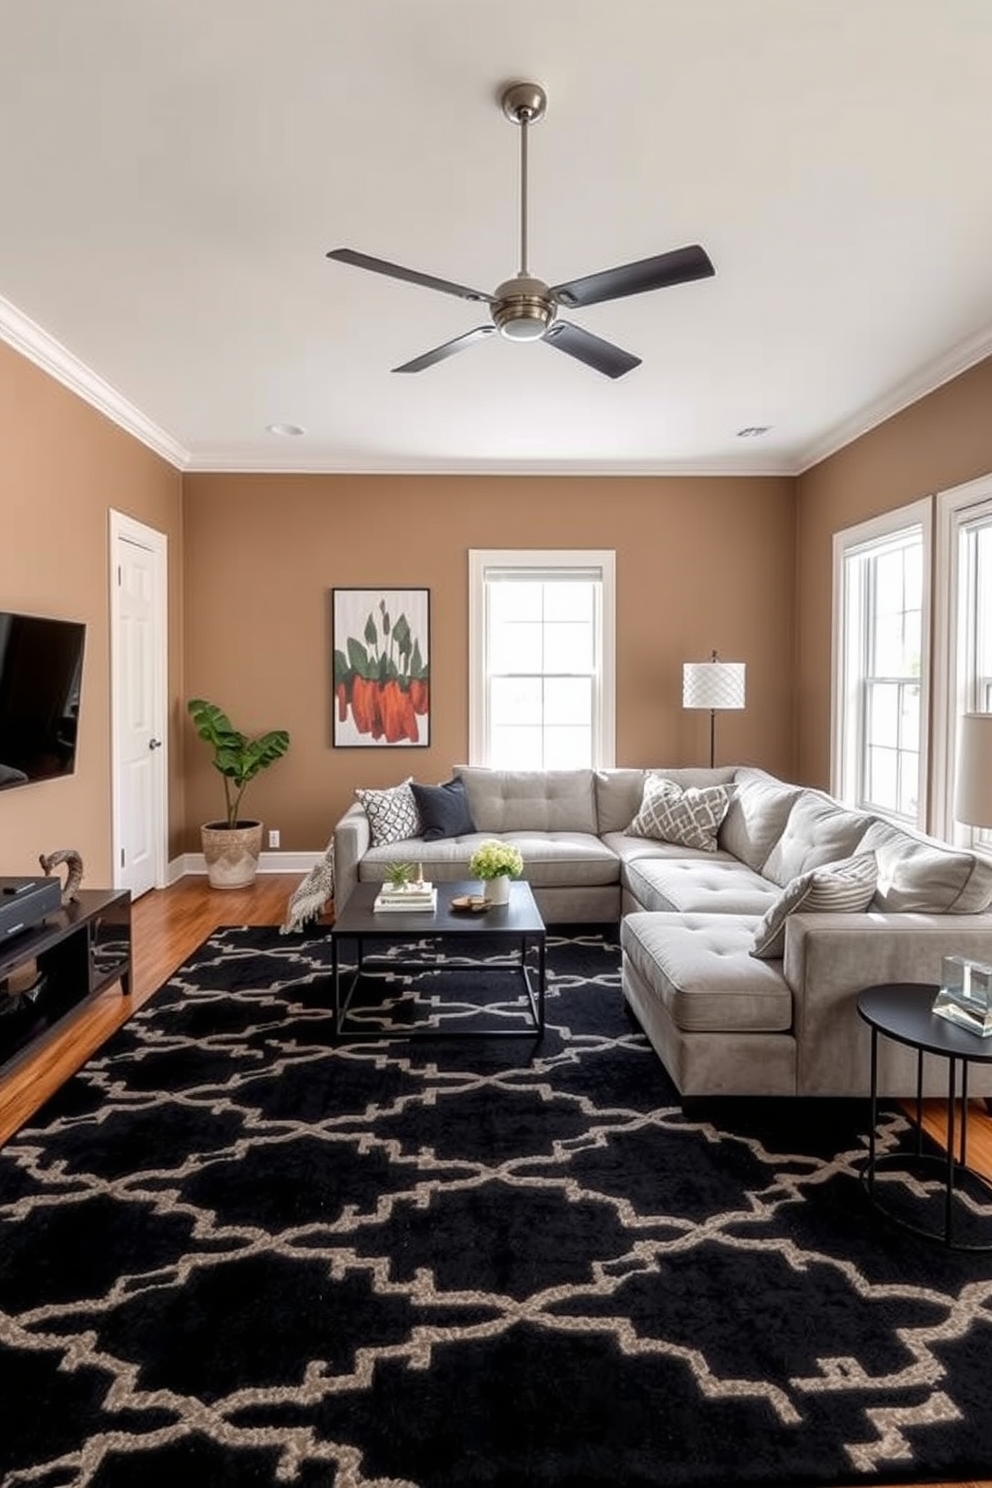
716	685
973	793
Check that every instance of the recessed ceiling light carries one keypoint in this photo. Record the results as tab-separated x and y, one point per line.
753	431
286	431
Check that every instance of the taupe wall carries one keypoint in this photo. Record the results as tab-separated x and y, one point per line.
941	441
63	466
701	563
742	565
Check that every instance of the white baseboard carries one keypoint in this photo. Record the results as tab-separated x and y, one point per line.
269	862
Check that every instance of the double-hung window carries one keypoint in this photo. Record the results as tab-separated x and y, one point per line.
541	658
881	672
964	636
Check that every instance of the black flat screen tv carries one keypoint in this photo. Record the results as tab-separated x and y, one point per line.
41	669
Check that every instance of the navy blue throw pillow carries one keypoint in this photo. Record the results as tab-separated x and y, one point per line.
443	810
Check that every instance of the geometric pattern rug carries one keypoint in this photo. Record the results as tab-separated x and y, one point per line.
233	1253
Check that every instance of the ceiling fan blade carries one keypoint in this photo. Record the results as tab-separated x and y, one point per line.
677	267
450	348
412	276
601	355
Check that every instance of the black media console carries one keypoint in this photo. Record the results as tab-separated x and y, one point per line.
47	972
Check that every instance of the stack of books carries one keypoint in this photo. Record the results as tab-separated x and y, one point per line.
411	898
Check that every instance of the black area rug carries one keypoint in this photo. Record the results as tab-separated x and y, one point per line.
232	1254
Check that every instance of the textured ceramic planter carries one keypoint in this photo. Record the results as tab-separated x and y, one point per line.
231	853
497	890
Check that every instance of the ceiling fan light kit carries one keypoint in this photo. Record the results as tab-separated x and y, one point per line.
525	308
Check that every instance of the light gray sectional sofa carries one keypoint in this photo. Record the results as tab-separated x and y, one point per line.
742	981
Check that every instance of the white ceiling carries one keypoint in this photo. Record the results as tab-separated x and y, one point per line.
173	172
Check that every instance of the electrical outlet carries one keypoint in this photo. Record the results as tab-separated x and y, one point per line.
274	837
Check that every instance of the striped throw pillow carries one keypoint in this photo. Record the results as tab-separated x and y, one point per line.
845	887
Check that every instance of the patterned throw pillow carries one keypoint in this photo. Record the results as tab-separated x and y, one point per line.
846	887
690	817
392	813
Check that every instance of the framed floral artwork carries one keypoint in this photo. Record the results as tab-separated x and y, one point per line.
381	649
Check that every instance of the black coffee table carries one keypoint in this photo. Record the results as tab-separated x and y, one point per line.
903	1011
516	927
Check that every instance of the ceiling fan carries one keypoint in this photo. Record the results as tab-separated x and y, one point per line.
526	309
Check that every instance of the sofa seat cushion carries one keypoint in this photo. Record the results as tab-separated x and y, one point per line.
700	885
817	832
504	801
701	968
551	859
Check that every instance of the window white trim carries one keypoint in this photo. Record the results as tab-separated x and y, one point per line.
846	642
481	560
955	509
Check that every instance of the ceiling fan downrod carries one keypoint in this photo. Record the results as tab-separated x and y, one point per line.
523	308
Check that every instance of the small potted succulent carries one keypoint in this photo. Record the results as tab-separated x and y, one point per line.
495	863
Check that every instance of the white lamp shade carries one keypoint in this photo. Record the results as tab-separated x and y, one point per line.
973	797
713	684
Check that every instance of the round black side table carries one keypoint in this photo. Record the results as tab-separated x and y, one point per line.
903	1011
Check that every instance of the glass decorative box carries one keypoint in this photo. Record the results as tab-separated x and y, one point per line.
965	995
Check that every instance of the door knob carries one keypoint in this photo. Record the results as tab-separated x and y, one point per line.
154	743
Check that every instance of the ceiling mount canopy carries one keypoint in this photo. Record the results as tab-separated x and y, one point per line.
525	308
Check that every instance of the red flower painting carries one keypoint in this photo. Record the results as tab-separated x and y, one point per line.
381	667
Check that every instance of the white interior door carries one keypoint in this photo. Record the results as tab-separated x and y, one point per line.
139	705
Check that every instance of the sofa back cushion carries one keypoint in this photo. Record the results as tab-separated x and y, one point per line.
619	791
757	815
530	800
920	873
817	831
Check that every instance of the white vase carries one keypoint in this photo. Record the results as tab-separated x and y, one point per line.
497	890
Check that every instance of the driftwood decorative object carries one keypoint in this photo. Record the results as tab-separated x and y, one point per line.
74	870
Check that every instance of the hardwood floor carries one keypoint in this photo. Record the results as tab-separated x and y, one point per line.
168	925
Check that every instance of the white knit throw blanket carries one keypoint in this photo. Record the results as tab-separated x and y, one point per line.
310	898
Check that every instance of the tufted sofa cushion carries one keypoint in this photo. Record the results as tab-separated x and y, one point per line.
757	815
817	832
701	968
530	800
699	884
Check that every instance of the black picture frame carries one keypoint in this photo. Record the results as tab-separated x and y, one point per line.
381	686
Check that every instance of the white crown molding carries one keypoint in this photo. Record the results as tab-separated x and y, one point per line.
926	380
28	338
232	463
52	357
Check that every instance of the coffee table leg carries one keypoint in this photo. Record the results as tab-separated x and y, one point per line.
873	1117
336	974
949	1191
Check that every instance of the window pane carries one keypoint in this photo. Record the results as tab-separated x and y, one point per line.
516	647
568	647
566	748
889	570
512	601
517	748
515	700
909	778
883	779
883	713
568	700
568	601
889	652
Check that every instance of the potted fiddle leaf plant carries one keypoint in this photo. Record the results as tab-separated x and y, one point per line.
233	845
